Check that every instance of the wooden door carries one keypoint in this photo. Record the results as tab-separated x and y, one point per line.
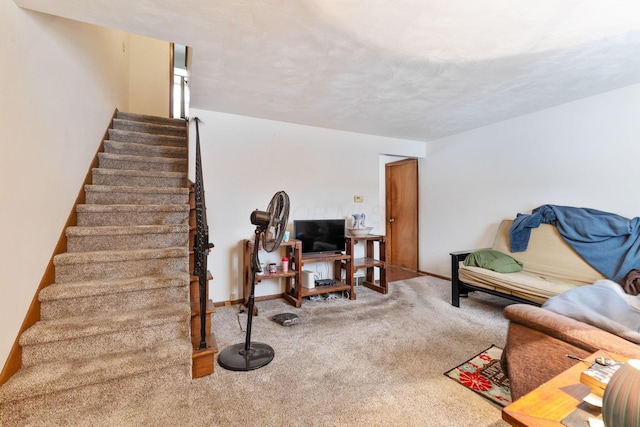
402	213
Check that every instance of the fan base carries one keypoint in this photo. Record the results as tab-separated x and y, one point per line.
236	358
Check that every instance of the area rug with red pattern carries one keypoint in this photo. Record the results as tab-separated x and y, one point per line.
484	375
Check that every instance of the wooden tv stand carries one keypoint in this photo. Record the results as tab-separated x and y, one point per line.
295	292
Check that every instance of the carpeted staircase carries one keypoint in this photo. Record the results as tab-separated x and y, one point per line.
119	308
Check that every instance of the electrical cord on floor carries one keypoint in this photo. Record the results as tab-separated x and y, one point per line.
332	296
241	313
329	296
335	296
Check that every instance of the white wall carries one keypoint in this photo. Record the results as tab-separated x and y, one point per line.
60	83
247	160
149	76
582	154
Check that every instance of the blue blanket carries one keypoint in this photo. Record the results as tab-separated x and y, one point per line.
608	242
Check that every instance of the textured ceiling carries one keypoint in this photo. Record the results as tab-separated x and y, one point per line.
412	69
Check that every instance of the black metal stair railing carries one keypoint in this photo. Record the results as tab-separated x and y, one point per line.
201	245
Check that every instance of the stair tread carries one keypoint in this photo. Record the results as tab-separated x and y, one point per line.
141	137
145	135
152	124
135	189
59	291
132	208
149	159
128	115
195	308
119	255
193	278
64	375
150	128
146	147
68	328
113	230
138	173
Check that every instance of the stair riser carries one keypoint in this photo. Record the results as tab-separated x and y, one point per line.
194	287
126	241
102	345
149	128
138	181
99	270
113	198
87	219
112	303
123	115
142	165
145	138
195	325
194	290
144	150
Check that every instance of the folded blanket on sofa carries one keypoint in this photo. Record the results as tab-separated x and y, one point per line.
608	242
604	305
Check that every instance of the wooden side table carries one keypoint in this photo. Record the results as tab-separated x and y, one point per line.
293	250
370	261
554	400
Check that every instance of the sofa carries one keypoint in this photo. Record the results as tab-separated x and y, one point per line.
549	267
538	339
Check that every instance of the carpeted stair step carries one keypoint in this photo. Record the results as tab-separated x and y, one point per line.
136	117
113	238
100	336
121	195
110	215
143	163
146	138
89	402
79	298
144	127
103	265
131	148
66	375
101	176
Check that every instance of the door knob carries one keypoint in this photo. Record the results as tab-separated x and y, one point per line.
392	220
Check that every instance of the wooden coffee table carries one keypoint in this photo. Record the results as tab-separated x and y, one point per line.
554	400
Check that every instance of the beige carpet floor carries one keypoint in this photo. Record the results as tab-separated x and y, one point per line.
375	361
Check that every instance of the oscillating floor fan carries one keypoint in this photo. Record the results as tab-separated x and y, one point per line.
270	227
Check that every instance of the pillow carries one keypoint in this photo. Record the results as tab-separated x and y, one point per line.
493	260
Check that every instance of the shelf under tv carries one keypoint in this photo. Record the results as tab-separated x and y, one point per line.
336	287
297	292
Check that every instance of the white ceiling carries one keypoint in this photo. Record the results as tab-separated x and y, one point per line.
412	69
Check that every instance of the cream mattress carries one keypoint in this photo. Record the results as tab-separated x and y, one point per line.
524	284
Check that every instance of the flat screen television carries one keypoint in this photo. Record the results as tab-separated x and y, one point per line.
320	236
